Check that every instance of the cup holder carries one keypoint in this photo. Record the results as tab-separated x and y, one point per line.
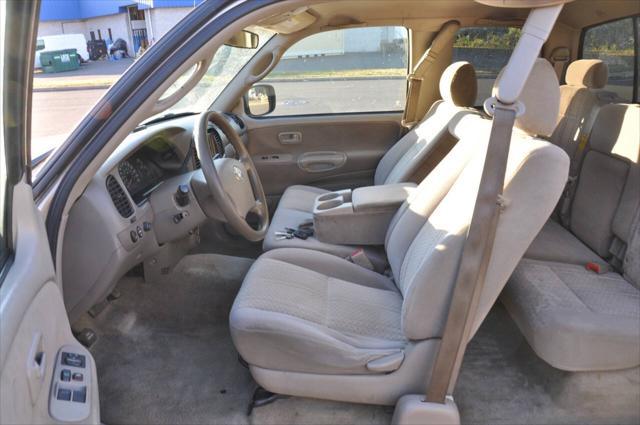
331	203
328	196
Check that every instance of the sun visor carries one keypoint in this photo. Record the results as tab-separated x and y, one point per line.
522	3
289	22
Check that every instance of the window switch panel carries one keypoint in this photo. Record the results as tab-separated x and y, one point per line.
70	397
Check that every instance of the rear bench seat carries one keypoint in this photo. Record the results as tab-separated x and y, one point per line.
574	318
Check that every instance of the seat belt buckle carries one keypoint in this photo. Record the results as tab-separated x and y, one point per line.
571	180
597	267
360	258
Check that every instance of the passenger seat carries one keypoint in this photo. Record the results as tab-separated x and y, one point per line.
576	295
410	159
579	104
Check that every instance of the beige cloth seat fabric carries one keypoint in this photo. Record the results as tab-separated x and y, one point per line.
458	89
555	243
575	319
579	104
332	315
606	195
310	324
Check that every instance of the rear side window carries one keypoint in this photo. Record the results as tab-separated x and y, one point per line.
616	44
342	71
488	49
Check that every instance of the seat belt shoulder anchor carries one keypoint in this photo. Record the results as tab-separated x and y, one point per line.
493	102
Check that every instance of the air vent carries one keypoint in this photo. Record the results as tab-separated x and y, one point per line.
217	141
237	120
118	197
196	159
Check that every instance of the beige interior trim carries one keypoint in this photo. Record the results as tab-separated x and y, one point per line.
32	311
289	22
422	91
522	3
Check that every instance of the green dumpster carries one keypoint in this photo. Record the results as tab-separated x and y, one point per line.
60	60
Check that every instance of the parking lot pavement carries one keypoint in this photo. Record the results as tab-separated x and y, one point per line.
90	75
55	115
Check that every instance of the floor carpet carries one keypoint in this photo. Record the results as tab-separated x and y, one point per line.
165	356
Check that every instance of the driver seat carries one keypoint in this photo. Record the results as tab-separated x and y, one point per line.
315	325
406	160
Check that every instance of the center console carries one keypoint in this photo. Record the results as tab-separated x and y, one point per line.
360	216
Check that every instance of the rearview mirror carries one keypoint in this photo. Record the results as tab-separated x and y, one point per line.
260	100
244	40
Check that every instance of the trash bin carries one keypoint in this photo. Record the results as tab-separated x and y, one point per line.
60	60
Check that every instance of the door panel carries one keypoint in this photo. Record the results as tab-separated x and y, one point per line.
34	326
330	151
33	320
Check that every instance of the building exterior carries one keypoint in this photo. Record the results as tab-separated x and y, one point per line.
138	22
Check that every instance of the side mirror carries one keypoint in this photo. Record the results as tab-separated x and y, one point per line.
260	100
244	40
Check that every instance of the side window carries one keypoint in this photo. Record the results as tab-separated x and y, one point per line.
342	71
488	49
614	43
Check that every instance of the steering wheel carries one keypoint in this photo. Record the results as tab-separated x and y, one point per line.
234	183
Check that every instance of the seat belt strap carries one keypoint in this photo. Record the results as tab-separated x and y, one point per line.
439	45
574	170
413	95
477	248
476	254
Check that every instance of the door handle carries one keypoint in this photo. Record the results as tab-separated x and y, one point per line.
36	366
320	162
290	137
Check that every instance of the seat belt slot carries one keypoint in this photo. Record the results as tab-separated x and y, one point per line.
360	258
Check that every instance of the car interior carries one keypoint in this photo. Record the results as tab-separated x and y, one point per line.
262	261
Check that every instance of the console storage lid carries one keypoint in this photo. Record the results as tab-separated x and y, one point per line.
358	217
382	197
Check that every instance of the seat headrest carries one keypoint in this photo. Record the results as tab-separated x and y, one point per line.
458	84
541	99
615	131
592	73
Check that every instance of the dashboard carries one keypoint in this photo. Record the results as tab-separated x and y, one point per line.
130	213
165	154
157	160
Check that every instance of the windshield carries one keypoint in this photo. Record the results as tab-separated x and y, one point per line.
66	87
226	63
